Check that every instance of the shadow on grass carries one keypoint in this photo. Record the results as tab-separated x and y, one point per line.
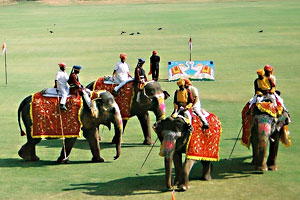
154	182
83	144
227	169
135	185
18	162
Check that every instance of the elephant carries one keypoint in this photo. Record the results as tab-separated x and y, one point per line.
151	98
267	128
174	134
108	112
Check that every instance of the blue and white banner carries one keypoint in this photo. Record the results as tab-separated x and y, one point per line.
195	70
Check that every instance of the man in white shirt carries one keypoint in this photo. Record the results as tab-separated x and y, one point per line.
121	74
61	85
196	108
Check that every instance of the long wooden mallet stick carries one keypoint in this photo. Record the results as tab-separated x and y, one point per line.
234	144
146	157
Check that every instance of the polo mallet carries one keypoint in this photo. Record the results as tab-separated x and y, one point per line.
146	157
62	130
234	144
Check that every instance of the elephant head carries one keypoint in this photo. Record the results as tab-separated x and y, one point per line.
152	98
266	128
173	134
107	112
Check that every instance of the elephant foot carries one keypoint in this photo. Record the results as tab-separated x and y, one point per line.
182	188
263	168
97	159
272	168
26	156
63	160
148	142
205	178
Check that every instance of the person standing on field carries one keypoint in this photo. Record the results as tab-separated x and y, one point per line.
154	66
61	86
121	73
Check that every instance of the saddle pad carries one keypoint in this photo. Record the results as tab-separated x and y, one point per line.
124	100
47	118
205	145
270	109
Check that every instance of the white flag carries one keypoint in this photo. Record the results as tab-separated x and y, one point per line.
3	48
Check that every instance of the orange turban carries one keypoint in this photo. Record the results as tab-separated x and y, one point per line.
260	72
181	82
188	82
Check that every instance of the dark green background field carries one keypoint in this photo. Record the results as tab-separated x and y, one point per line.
89	35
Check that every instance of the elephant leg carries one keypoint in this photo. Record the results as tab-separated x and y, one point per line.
271	162
254	144
92	137
177	159
207	169
27	151
145	124
65	152
168	170
188	164
114	140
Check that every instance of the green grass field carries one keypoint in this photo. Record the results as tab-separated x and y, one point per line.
89	35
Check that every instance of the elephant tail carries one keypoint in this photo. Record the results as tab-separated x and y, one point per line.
23	103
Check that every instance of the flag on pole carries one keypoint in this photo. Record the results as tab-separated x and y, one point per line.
3	48
190	43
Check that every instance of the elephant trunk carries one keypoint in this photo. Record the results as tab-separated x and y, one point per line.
118	126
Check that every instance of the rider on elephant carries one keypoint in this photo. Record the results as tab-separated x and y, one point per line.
77	89
121	73
183	101
269	72
196	102
61	86
263	87
140	77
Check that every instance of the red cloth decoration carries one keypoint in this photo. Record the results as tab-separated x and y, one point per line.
124	100
247	125
205	145
45	117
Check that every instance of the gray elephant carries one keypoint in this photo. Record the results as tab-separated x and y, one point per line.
108	112
175	134
133	101
267	129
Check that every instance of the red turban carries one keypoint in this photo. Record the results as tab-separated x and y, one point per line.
123	55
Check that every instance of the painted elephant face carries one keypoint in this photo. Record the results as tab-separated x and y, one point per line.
153	97
168	131
265	128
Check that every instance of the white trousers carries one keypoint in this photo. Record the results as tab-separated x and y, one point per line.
63	92
197	109
121	83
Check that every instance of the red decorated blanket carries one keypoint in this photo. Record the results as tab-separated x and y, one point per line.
47	118
205	145
124	100
247	125
266	107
